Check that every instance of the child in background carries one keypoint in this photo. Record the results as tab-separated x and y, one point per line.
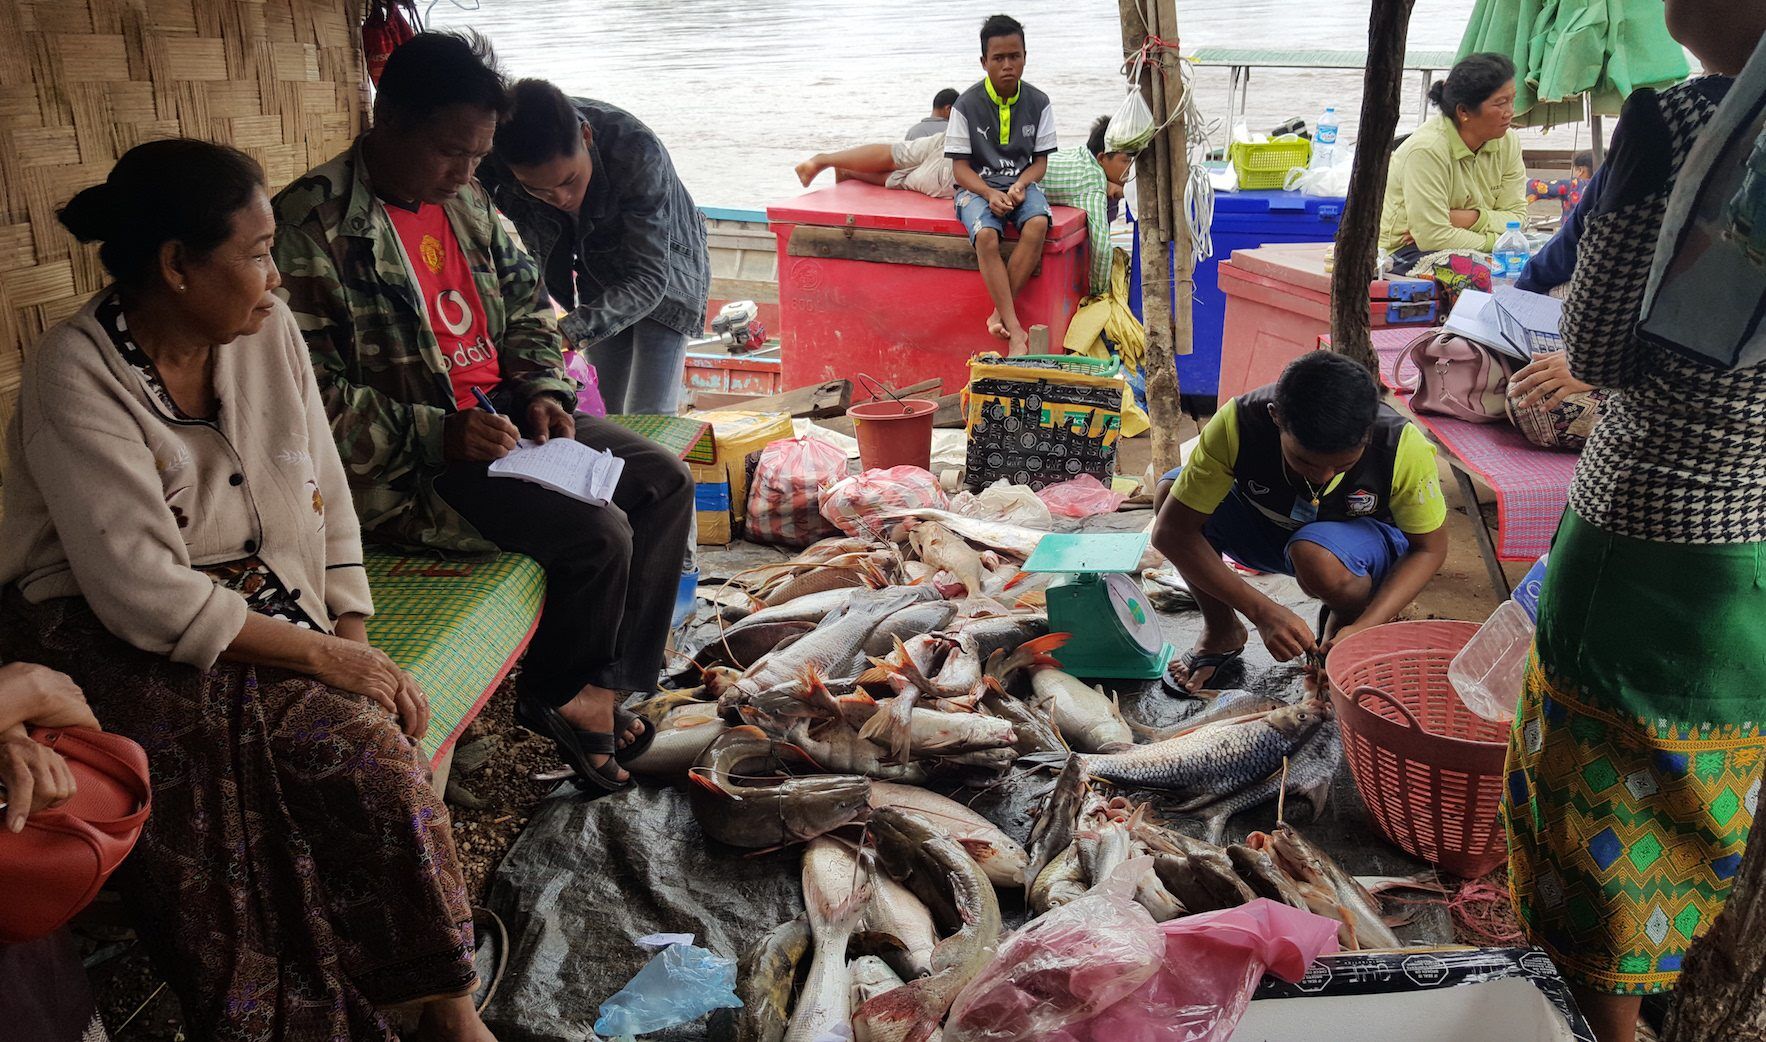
1001	133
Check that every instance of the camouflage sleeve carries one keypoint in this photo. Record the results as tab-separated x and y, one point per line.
531	348
378	437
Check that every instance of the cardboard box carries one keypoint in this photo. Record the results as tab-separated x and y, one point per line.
713	504
739	435
1445	995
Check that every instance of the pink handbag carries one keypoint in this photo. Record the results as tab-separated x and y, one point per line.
1456	378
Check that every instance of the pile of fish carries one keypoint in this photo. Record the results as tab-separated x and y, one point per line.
1081	837
844	682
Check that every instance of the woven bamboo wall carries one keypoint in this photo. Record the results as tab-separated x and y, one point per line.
82	81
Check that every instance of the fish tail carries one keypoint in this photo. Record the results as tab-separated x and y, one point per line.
1015	580
1035	654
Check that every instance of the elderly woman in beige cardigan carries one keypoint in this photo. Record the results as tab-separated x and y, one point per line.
178	538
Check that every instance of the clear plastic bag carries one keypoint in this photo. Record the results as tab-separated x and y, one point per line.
785	499
1131	126
1084	496
1004	501
1211	965
1063	966
680	984
588	394
853	503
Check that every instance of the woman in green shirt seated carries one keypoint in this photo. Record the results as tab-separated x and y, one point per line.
1457	182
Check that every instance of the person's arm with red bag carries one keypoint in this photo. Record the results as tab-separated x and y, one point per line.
34	777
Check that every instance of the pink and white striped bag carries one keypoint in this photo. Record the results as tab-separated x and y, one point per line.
785	498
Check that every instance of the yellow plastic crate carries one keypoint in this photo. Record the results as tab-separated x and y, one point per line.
1265	164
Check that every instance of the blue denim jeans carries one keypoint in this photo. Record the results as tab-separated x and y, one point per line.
975	214
639	368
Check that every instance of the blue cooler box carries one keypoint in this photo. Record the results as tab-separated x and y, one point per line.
1242	221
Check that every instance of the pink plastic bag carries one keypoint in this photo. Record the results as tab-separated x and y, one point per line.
852	503
785	499
588	395
1212	965
1082	497
1063	966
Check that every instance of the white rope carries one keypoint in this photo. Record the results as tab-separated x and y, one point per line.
1199	193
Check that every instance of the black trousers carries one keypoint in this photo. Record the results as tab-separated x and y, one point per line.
611	571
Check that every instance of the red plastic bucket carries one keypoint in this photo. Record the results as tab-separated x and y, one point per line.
894	433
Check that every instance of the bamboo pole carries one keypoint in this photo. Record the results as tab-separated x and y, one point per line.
1358	236
1153	189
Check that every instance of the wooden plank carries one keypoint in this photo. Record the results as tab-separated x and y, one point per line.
760	291
917	249
813	402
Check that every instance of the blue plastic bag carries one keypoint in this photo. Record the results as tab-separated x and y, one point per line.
680	984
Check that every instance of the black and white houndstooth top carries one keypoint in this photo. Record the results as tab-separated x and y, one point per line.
1680	454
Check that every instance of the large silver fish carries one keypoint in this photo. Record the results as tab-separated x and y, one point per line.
1199	874
835	644
911	621
1036	734
1264	876
1309	776
1089	719
1060	882
1215	761
904	920
1002	632
835	891
999	856
871	977
735	808
765	977
685	734
952	885
1056	821
835	746
1320	875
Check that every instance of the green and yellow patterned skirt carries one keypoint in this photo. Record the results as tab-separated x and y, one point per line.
1634	765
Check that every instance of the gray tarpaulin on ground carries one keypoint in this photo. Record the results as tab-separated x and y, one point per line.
586	877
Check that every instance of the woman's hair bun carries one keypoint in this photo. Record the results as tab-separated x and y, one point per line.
92	214
1437	92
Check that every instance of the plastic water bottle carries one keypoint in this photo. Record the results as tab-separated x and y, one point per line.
1511	252
1488	671
1324	140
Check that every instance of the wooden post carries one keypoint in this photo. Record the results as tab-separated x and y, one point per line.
1722	991
1161	172
1358	237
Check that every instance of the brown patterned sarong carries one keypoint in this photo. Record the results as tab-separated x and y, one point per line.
297	872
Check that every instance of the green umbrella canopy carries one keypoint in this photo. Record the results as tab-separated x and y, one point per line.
1564	49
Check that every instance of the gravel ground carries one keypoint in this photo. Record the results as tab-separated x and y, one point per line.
503	793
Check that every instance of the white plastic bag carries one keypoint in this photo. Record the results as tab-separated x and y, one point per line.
1330	182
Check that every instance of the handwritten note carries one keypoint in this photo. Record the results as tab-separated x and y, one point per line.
565	466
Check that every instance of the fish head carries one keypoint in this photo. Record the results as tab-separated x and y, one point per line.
1301	719
816	805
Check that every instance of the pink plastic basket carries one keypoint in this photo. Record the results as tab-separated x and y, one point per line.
1429	769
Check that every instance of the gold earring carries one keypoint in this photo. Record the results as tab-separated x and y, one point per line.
182	287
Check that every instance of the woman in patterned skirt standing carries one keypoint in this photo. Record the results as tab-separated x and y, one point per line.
1635	762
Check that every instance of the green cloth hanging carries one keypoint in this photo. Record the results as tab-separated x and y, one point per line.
1564	49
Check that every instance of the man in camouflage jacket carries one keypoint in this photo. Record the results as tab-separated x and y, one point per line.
388	253
380	369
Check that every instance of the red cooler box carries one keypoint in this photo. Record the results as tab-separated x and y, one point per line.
883	281
1278	303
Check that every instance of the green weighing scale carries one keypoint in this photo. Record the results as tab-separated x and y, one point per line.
1115	634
